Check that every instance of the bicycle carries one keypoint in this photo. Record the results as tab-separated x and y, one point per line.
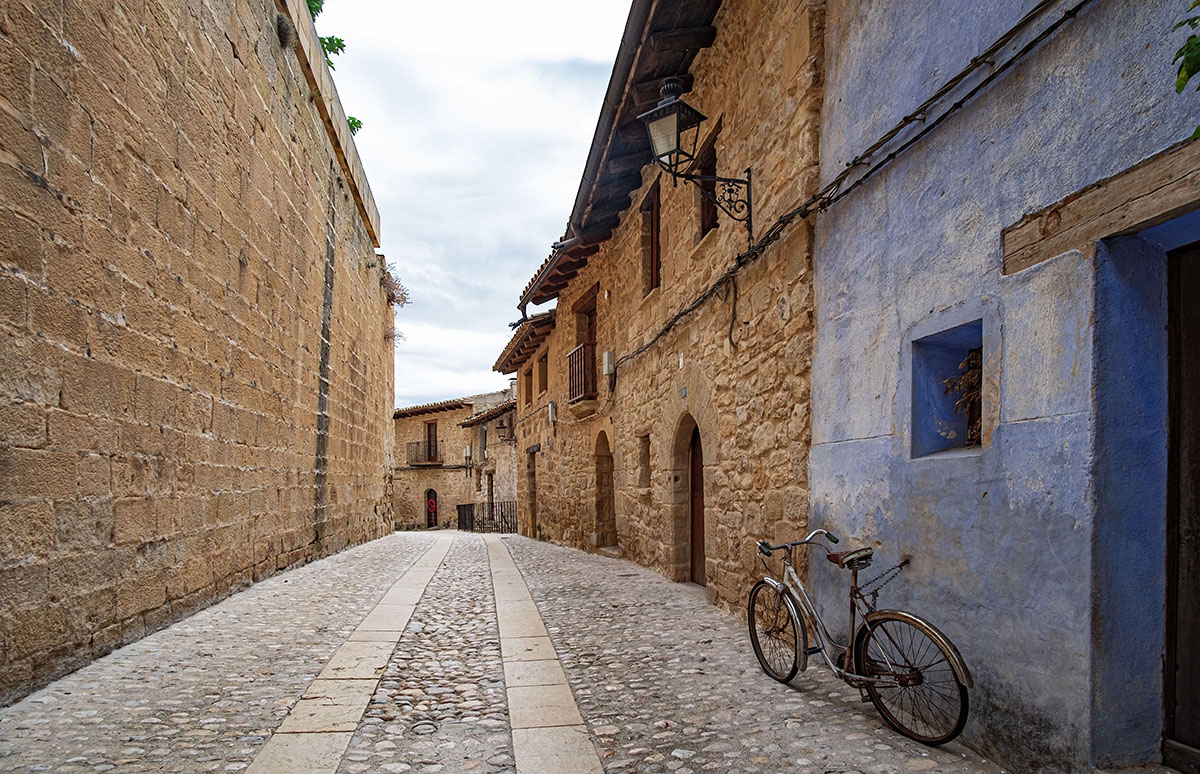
908	669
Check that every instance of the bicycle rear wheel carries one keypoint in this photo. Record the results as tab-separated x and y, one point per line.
775	631
927	702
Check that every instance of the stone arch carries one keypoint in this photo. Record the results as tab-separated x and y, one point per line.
604	534
688	560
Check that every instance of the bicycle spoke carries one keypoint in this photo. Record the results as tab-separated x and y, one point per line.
926	700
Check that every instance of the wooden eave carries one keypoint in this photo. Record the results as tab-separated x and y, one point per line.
430	408
490	414
661	40
525	342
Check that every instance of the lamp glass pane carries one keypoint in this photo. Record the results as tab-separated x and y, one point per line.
664	135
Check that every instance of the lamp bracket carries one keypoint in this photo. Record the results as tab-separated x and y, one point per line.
732	195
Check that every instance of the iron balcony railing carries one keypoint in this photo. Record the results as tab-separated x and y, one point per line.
581	370
424	453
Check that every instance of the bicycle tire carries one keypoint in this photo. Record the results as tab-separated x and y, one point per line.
930	704
775	631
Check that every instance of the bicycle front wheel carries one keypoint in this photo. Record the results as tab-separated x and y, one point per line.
922	696
774	631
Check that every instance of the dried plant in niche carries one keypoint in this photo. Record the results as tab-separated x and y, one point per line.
969	387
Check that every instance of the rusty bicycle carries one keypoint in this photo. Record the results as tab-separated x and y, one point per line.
908	669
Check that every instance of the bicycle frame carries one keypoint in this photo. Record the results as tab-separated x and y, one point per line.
826	643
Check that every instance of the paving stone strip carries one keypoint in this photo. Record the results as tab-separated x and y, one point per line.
204	694
441	705
315	734
547	729
666	682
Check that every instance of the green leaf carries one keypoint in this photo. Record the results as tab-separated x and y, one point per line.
354	124
1196	134
315	7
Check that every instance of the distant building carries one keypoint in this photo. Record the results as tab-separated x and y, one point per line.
449	454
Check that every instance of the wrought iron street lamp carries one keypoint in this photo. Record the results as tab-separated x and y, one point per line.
674	128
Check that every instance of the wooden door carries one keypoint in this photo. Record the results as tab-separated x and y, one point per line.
1181	745
696	486
431	508
431	450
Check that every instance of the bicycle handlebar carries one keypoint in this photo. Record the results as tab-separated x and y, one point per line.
766	548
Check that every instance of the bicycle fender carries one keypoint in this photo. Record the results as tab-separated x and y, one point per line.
956	660
777	585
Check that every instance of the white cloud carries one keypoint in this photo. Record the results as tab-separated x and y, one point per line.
477	120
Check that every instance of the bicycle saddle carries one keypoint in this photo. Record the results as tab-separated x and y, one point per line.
854	560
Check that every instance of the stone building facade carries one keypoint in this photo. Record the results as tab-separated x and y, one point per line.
697	444
989	286
494	463
438	464
195	373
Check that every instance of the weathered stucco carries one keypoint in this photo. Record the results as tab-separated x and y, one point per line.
1007	537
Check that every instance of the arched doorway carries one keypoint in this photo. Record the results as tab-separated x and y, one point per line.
605	534
431	508
696	508
531	491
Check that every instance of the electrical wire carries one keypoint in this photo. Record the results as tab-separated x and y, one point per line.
834	191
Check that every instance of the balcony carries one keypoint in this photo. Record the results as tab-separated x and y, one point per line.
581	370
424	453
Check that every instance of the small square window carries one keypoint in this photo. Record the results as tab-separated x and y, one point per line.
947	390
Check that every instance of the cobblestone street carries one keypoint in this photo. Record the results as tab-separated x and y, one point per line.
663	681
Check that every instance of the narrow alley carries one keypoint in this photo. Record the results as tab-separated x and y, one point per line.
454	652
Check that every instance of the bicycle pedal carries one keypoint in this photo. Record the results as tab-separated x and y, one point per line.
814	650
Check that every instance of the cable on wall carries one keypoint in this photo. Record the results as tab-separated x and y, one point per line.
854	176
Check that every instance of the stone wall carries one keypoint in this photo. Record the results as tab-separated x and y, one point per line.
195	382
741	376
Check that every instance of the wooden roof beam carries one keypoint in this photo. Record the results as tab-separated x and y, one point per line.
683	38
629	162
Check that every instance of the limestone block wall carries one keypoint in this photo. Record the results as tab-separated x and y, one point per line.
453	484
195	384
740	375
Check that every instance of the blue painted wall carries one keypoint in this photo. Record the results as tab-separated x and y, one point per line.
1131	484
1005	537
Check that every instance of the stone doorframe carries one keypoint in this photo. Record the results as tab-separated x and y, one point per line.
677	503
604	513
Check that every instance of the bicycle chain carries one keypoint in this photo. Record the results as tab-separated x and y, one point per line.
882	580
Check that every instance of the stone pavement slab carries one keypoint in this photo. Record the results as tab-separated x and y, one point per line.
566	749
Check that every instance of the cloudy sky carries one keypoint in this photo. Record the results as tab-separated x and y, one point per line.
477	118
